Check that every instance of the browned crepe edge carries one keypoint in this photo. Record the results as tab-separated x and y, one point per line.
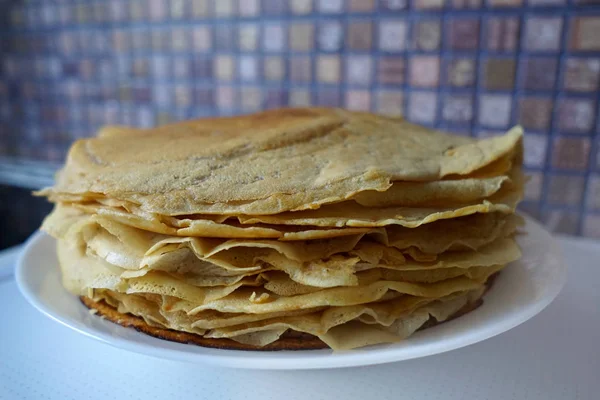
290	340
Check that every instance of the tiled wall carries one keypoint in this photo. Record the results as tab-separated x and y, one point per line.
469	66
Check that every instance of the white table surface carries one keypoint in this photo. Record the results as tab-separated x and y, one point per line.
556	355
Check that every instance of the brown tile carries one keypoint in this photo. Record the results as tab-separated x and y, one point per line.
248	37
390	102
329	98
428	4
392	34
359	35
539	73
391	70
542	33
504	3
300	69
393	5
591	226
299	98
582	74
466	4
330	6
463	33
535	149
571	153
359	69
584	33
561	221
301	7
533	189
250	99
330	36
273	68
593	193
460	72
361	5
301	37
359	100
274	7
422	107
223	67
576	115
502	33
535	113
328	68
427	35
457	108
499	73
424	71
565	190
494	110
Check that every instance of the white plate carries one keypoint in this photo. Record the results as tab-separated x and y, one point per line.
521	291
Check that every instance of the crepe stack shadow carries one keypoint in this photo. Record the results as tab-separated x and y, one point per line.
287	229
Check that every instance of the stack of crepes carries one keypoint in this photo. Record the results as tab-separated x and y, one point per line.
287	229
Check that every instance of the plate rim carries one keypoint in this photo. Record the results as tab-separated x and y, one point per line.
259	359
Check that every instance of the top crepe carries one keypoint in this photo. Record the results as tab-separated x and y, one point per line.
271	162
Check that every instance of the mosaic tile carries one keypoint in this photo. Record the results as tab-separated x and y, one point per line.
502	33
571	153
359	100
428	4
223	68
204	97
225	97
593	193
137	10
161	39
591	226
533	189
561	221
582	74
535	113
504	3
422	107
301	36
361	5
390	102
576	115
273	38
457	108
494	110
427	35
200	9
424	71
251	99
273	68
393	5
180	40
224	37
299	98
248	8
460	72
157	10
301	7
275	98
391	70
201	38
328	69
178	9
300	69
535	150
545	3
463	33
539	73
224	8
584	33
248	68
359	69
392	35
359	35
248	37
183	95
330	6
542	33
202	67
330	36
565	190
140	40
499	73
328	98
274	7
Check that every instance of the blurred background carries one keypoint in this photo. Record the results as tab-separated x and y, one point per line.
474	67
